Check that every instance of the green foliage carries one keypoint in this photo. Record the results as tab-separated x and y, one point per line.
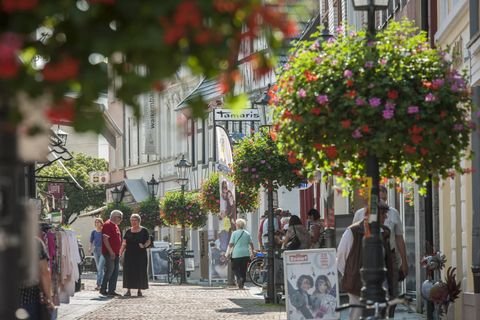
126	210
246	198
150	213
395	98
210	194
91	197
177	209
144	43
258	162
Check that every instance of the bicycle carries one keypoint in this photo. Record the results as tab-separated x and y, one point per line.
175	263
379	308
256	270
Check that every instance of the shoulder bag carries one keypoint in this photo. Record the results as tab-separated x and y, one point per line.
229	252
294	242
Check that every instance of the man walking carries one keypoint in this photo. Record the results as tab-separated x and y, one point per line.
349	258
112	241
397	243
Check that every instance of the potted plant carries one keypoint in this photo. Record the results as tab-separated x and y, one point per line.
182	209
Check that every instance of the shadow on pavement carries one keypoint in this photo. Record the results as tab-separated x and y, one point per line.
252	307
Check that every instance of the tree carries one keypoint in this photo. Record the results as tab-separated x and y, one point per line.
150	213
91	197
126	210
50	49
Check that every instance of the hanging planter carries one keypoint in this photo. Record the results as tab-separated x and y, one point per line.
246	199
397	98
258	162
178	210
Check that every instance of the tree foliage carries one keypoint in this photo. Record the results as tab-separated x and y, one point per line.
52	47
150	213
394	97
91	197
126	210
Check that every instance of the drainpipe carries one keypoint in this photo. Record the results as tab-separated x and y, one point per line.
475	193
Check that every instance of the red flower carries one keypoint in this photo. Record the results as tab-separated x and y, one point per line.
292	157
415	130
287	114
424	151
443	114
351	94
9	44
427	84
346	123
188	14
365	128
318	146
350	83
316	111
416	139
66	69
392	94
63	112
331	152
18	5
409	149
310	76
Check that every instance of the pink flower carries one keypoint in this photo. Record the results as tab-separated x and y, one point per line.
253	169
412	109
390	105
388	113
301	93
430	97
347	74
369	64
357	134
322	99
458	127
383	61
245	169
263	161
360	101
374	102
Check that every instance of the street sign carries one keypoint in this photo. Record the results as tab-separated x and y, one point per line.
242	115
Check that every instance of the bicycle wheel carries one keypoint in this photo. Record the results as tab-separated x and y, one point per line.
178	271
255	271
170	270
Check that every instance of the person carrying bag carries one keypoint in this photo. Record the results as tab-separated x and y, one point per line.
297	237
241	250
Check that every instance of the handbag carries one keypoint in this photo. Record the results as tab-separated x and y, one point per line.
294	242
229	252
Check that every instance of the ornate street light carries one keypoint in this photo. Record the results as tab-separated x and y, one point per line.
62	135
183	173
153	187
373	270
116	195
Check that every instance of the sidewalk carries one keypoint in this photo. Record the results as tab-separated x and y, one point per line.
192	301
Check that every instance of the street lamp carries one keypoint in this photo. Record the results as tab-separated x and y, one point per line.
62	135
183	172
270	297
64	202
153	187
116	195
373	270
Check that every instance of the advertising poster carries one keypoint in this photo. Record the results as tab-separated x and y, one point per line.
228	207
218	260
159	259
311	284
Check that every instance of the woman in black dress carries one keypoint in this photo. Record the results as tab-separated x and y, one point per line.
135	243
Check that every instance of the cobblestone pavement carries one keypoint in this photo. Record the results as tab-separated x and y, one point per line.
163	301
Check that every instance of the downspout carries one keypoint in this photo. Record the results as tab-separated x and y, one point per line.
474	30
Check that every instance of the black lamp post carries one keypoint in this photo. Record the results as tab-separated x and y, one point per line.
116	195
62	135
270	297
153	187
183	172
373	271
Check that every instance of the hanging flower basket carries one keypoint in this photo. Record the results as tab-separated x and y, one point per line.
258	162
178	210
396	98
246	199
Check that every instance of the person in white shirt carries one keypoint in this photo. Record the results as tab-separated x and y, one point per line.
397	242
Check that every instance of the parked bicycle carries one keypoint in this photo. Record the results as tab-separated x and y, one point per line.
256	270
175	263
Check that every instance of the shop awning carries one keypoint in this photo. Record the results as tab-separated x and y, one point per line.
137	188
93	212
